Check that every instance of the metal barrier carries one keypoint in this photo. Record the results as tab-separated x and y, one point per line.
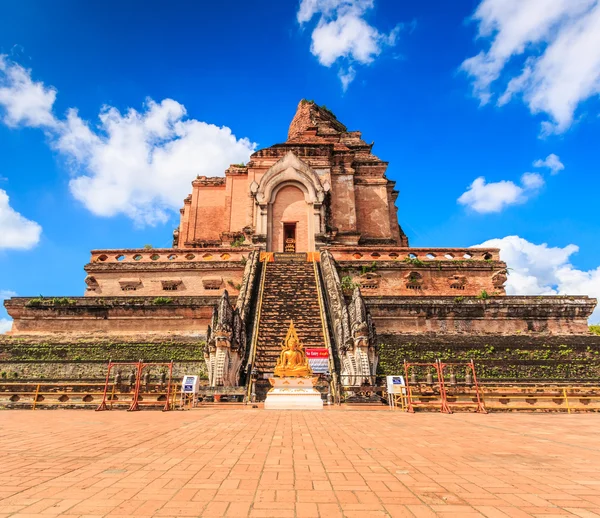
39	394
554	398
435	380
452	399
486	398
425	400
137	399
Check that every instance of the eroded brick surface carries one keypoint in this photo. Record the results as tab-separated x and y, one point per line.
211	462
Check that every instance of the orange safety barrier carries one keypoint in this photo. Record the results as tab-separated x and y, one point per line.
411	403
442	387
480	407
136	400
39	394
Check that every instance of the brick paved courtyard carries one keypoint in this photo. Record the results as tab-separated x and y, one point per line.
211	462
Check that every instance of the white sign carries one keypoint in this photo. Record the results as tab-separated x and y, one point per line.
396	385
190	384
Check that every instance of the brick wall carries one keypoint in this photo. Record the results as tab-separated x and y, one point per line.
471	316
112	316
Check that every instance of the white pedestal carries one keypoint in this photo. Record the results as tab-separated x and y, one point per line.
293	394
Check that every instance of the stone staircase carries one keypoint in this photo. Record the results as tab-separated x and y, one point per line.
290	293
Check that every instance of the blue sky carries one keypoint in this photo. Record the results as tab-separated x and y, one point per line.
462	98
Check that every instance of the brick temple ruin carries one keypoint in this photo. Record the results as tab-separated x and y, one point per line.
306	230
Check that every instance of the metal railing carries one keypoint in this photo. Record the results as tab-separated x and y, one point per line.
36	395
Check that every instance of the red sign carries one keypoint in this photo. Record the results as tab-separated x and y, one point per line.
317	353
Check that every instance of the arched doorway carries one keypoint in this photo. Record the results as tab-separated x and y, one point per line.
299	209
289	220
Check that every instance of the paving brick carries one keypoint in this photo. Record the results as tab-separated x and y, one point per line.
332	463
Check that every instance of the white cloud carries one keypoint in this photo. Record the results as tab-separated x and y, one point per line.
346	77
16	231
544	270
137	163
485	197
559	45
532	181
25	101
5	323
342	34
551	162
141	163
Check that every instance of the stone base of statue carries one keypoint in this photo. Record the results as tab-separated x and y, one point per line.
293	393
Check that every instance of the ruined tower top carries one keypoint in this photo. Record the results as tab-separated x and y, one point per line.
310	116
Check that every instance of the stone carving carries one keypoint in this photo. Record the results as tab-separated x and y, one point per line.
369	280
92	283
212	283
414	281
360	362
499	278
353	328
457	282
225	345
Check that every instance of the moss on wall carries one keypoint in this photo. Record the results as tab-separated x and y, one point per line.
560	358
17	350
52	358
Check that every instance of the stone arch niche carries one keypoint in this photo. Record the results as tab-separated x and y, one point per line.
289	192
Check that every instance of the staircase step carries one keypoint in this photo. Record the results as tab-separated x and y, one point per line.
289	293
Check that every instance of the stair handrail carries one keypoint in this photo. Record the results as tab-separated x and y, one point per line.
255	327
326	336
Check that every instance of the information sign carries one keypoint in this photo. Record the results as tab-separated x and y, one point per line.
396	385
190	384
318	359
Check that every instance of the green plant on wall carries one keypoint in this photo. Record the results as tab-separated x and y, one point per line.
55	301
348	284
62	301
14	350
595	329
527	362
372	268
238	241
162	301
234	285
484	295
415	261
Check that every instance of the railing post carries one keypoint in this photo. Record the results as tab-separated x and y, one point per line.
102	406
566	399
37	391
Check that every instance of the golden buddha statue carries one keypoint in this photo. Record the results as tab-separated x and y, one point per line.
292	361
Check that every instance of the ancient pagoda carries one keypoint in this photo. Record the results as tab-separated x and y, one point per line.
307	231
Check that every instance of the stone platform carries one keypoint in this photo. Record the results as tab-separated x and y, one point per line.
293	394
